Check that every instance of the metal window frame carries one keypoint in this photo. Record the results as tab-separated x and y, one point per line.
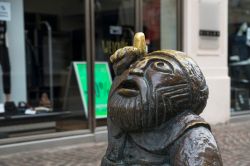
180	16
138	15
90	53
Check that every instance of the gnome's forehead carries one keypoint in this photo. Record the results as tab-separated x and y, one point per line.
171	61
180	59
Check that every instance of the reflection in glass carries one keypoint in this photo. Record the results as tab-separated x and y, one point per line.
54	40
114	28
239	54
159	24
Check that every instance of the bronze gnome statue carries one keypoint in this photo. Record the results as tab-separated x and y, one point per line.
153	110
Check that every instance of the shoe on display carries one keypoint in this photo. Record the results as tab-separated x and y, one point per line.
44	101
22	106
10	108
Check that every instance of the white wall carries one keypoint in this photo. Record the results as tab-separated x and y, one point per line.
15	34
213	61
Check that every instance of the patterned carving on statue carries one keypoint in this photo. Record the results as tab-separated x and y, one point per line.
153	110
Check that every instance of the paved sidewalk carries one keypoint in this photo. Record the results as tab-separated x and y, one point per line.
233	139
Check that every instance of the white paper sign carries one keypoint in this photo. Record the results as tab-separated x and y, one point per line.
5	12
248	36
115	30
1	108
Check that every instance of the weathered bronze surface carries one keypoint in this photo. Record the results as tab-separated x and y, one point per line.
153	110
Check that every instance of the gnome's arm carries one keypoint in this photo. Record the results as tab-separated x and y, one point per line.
121	61
197	147
116	142
125	56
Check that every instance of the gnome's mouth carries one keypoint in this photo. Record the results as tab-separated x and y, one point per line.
128	88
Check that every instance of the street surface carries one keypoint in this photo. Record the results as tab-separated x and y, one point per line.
233	139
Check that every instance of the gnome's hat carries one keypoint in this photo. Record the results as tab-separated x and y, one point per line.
197	83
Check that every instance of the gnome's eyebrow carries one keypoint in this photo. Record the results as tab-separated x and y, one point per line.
159	59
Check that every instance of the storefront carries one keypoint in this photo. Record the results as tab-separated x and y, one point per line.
239	55
55	55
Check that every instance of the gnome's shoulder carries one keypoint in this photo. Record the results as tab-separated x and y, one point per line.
160	139
196	146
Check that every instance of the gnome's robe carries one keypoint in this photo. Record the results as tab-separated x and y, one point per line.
185	140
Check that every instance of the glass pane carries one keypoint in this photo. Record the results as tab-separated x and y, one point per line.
46	38
159	24
114	28
239	54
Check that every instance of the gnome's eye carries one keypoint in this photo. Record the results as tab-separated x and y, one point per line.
163	67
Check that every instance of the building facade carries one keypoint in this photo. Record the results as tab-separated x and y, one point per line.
56	72
210	52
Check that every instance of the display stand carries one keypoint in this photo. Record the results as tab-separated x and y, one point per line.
103	83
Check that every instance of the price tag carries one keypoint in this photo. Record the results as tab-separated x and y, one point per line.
1	108
248	37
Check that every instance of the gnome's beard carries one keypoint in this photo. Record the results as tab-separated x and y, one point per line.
127	112
131	114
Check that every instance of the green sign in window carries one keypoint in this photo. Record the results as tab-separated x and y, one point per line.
103	83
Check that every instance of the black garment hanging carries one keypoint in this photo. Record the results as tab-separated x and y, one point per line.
4	58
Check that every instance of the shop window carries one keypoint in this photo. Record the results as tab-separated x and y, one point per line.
239	54
46	39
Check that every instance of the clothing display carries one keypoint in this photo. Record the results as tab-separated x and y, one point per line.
32	66
10	108
4	59
239	47
239	55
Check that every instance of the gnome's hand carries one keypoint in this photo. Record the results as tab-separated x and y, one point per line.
125	56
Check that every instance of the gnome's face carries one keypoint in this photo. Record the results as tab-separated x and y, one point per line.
147	94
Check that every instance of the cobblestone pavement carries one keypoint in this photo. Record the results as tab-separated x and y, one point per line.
233	139
234	143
